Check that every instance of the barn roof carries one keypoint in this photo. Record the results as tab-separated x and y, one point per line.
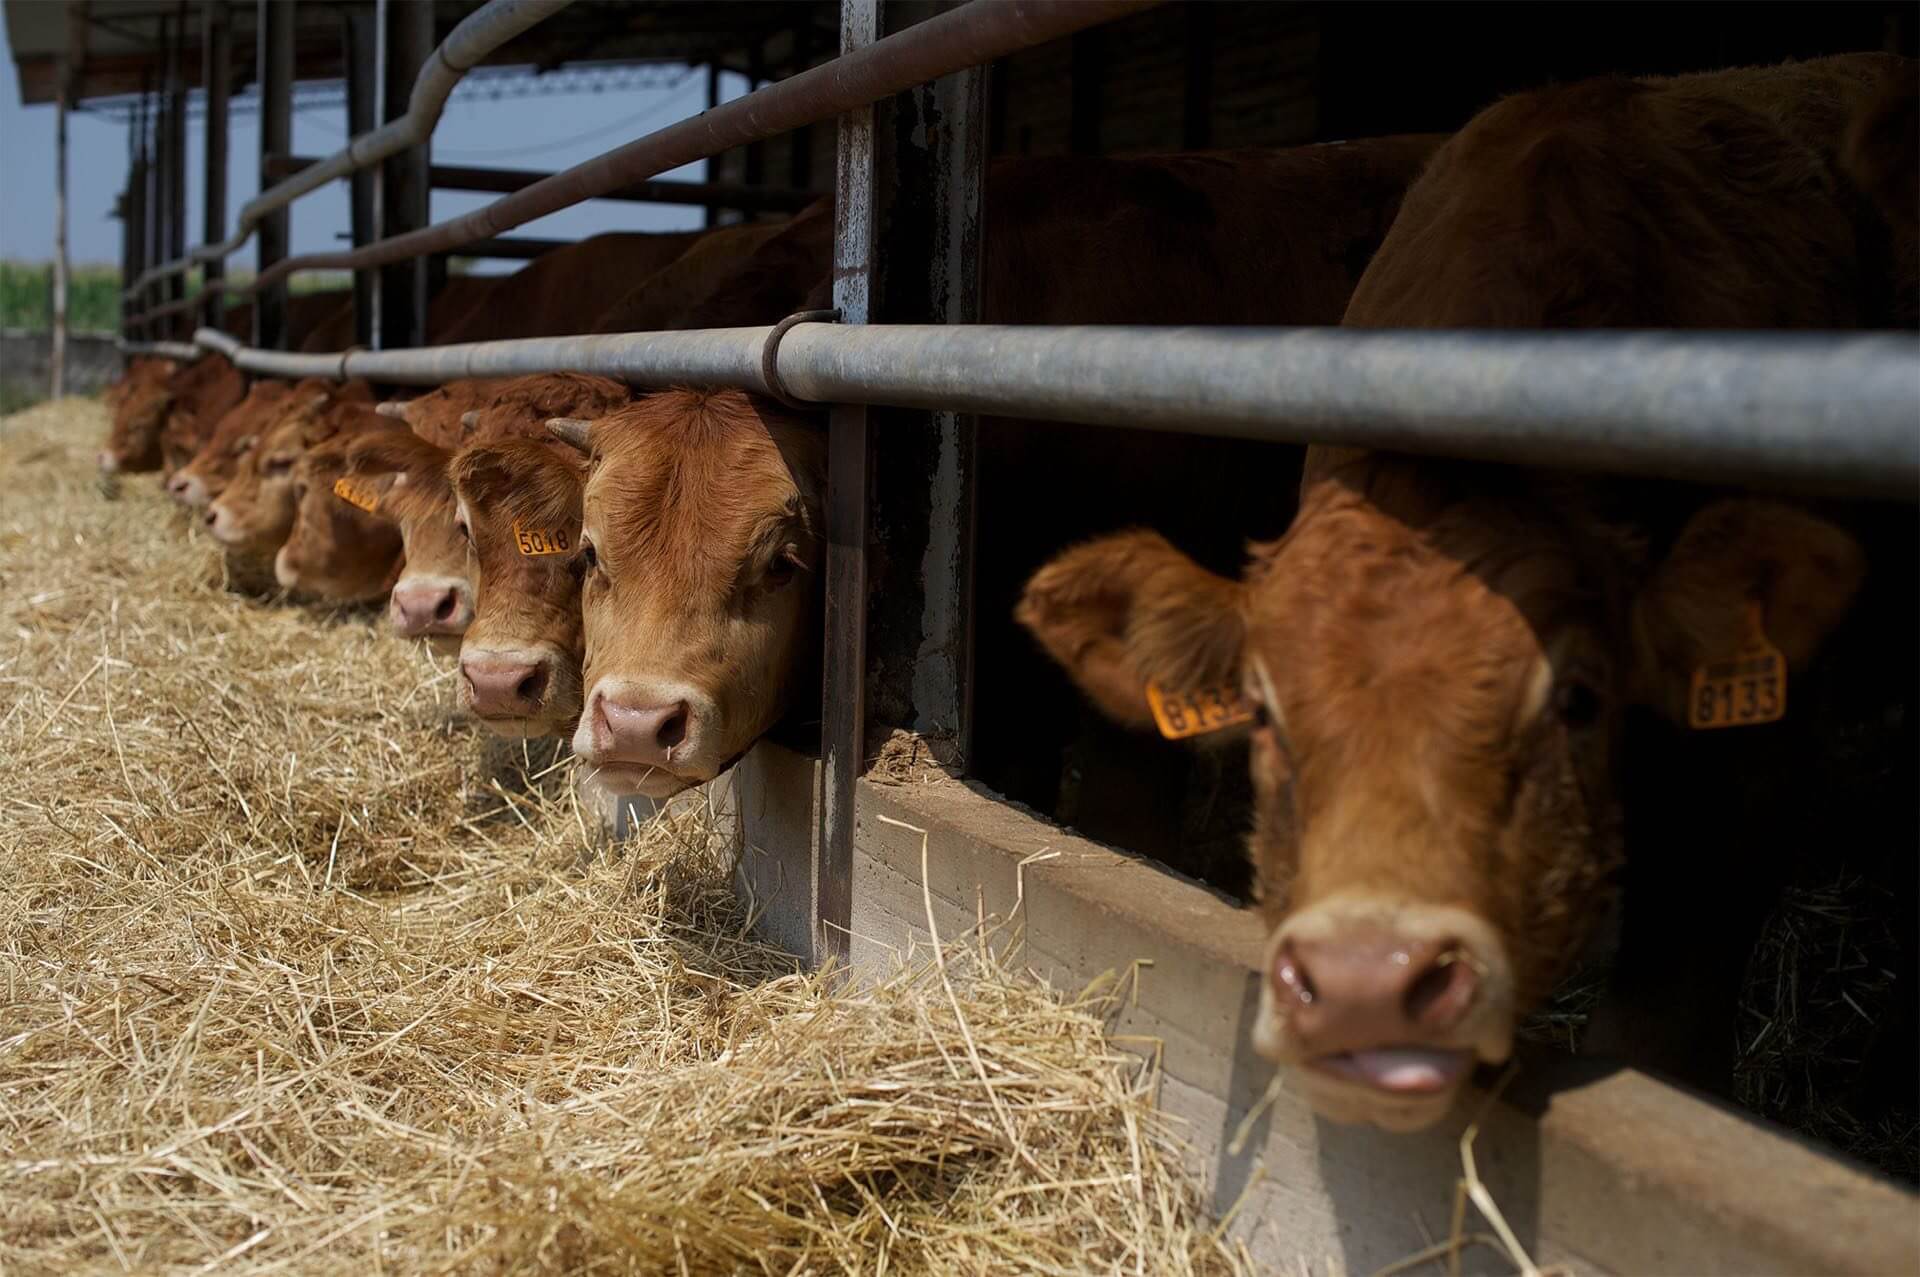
119	47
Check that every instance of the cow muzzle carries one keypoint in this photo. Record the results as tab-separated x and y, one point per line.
1384	1008
423	606
649	738
189	490
518	692
109	461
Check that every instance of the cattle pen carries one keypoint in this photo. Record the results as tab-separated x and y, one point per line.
889	836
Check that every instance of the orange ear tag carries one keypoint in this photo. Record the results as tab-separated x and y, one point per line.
1744	689
533	542
1183	714
355	495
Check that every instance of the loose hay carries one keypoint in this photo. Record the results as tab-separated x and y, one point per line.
299	974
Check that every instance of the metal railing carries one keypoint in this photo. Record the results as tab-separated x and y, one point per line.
478	35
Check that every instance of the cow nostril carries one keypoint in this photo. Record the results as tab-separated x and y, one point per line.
445	611
1291	974
1441	993
673	729
529	688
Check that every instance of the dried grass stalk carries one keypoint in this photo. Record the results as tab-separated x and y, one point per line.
300	975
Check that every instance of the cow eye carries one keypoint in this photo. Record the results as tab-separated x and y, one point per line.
785	566
1577	704
279	465
1261	718
466	533
588	555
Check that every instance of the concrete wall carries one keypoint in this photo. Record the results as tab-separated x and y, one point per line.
25	362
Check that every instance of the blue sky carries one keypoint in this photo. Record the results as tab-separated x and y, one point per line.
544	133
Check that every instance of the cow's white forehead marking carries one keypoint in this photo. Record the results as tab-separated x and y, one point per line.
1260	687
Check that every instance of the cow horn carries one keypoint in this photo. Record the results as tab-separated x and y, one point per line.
571	431
470	418
391	408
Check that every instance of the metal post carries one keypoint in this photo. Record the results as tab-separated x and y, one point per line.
136	209
59	354
844	651
800	141
754	168
406	42
713	161
361	51
176	147
930	167
1196	121
275	51
217	77
154	249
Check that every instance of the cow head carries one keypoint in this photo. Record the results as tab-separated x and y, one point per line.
206	474
255	513
519	504
337	550
1438	685
434	596
698	597
139	414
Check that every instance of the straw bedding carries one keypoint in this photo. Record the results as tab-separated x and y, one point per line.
299	974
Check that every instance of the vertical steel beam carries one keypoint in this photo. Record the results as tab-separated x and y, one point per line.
844	648
754	169
1196	119
898	645
406	42
136	209
275	53
800	142
58	386
713	161
1086	105
361	49
181	325
217	76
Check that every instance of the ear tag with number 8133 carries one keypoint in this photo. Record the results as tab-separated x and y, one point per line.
1743	689
1209	709
533	541
355	494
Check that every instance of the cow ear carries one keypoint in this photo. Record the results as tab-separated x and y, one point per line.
1128	609
1734	560
571	431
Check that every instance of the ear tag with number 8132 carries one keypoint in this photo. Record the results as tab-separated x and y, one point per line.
1209	709
533	541
1743	689
355	495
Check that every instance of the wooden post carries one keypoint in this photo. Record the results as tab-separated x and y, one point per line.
59	354
406	42
275	53
361	42
217	77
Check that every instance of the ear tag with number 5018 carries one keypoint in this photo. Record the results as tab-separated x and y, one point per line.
1742	689
1209	709
533	541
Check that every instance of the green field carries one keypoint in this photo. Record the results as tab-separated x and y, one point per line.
26	293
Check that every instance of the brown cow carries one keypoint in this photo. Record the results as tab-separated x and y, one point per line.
207	474
202	393
682	294
139	403
336	550
1441	656
699	546
519	505
435	594
561	292
254	515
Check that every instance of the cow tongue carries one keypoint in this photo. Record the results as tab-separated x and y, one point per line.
1406	1070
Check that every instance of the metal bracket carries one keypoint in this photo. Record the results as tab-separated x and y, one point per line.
770	354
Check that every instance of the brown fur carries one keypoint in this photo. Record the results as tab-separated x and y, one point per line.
140	404
564	291
704	509
1450	648
334	550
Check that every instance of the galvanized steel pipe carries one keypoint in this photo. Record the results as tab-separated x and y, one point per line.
184	351
971	35
478	35
1838	412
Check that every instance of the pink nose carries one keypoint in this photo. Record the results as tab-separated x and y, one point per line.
504	688
180	488
644	735
1370	988
108	462
427	607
